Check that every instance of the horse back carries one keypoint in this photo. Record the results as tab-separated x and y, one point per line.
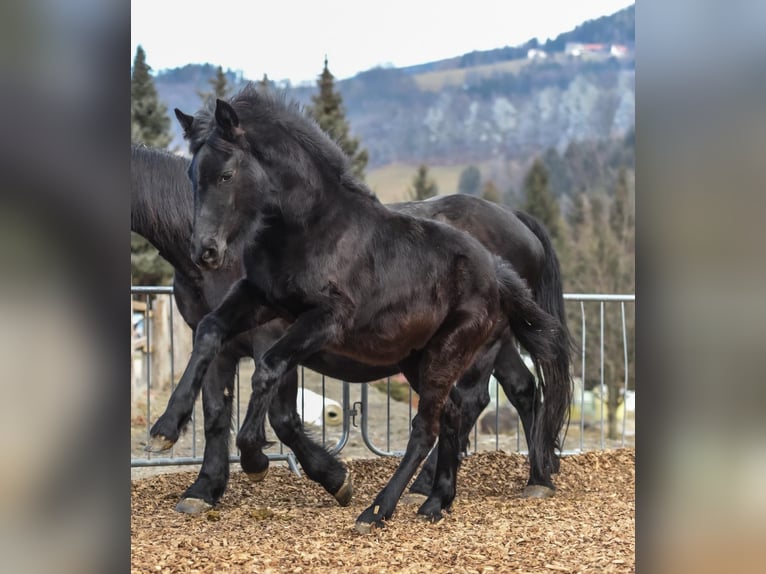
496	227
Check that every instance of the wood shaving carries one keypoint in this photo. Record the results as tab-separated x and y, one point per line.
290	524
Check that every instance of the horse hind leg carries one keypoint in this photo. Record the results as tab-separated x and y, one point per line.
443	361
318	464
473	397
254	463
425	430
519	386
444	484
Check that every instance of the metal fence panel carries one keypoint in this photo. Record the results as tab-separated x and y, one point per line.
376	423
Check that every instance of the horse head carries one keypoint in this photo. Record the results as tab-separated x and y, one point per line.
231	188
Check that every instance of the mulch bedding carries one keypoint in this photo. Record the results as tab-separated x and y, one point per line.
290	524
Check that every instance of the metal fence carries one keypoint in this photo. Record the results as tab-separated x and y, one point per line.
360	420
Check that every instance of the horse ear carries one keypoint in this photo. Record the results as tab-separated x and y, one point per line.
227	120
185	121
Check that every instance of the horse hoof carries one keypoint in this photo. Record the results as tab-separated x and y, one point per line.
345	492
257	476
365	527
158	443
413	498
431	510
193	506
433	518
537	491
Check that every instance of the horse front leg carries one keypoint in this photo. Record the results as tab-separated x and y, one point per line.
306	336
318	464
228	319
217	400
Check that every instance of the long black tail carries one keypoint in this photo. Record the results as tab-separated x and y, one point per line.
556	379
535	329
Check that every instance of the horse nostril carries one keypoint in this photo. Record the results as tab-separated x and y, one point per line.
209	254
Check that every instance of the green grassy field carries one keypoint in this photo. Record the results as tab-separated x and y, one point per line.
434	81
391	182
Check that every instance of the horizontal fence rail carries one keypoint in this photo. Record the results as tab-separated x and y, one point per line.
360	420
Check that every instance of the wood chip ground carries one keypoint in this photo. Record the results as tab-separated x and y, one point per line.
290	524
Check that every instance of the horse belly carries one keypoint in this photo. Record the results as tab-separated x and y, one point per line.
389	344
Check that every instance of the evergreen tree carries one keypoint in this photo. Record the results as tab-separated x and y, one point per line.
149	120
265	84
510	197
149	124
146	265
490	192
423	186
585	168
620	217
328	111
470	181
540	203
600	259
578	215
219	84
559	179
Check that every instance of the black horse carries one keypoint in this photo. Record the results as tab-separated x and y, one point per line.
350	276
161	211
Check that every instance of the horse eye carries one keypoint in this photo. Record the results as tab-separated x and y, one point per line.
225	177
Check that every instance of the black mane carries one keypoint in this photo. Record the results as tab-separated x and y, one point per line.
162	204
281	131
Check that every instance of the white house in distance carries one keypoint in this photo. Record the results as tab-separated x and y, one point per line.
577	49
619	50
535	54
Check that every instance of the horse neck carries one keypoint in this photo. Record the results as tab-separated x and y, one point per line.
303	153
161	211
322	197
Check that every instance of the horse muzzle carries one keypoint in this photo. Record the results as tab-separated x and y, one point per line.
208	254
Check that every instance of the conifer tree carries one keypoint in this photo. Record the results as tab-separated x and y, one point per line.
149	119
540	203
423	186
147	267
620	217
328	111
559	178
600	259
470	181
150	125
265	84
219	84
490	192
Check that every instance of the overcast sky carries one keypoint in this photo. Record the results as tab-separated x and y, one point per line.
289	39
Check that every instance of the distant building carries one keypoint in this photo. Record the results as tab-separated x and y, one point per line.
595	48
618	50
535	54
577	49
